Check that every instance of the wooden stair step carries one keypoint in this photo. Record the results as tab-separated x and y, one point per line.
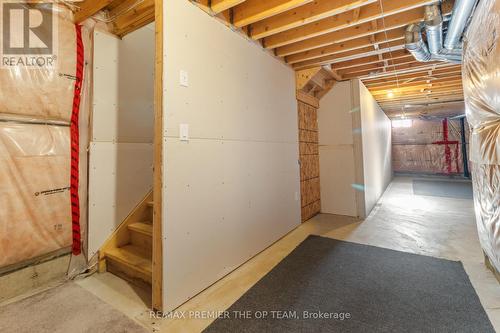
145	228
151	203
133	258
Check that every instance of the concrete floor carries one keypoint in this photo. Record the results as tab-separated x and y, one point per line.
436	226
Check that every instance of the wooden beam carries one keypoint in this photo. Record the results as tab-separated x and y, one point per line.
140	22
369	13
417	94
408	59
412	77
308	13
416	67
308	99
455	86
422	100
333	73
353	54
89	8
157	278
138	16
219	6
372	59
354	44
355	14
417	82
443	71
303	77
252	11
365	29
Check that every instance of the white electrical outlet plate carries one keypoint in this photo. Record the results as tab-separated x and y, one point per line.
184	132
184	78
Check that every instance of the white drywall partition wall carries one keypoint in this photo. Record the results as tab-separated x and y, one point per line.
231	188
336	151
376	138
121	151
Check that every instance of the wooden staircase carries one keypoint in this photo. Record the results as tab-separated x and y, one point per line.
128	253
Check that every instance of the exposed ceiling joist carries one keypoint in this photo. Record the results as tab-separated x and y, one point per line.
134	18
416	67
252	11
219	6
368	51
438	72
348	39
392	64
418	84
89	8
309	13
381	37
371	12
405	91
380	57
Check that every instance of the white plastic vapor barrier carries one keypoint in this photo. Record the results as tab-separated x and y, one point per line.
35	215
481	76
42	92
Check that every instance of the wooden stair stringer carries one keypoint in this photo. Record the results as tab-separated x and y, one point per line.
121	236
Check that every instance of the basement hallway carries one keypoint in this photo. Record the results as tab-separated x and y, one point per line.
432	225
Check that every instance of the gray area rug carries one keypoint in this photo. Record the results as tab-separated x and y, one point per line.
443	188
379	290
64	309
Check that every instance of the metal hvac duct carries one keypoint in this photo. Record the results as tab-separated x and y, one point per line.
433	23
434	31
434	28
415	44
462	10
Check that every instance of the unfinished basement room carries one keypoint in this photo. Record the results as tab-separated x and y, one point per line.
227	166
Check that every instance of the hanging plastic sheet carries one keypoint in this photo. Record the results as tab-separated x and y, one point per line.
34	191
428	146
427	159
481	80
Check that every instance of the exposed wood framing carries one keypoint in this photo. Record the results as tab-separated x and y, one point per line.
305	98
303	77
157	279
121	235
312	12
348	38
125	16
140	15
88	8
218	6
252	11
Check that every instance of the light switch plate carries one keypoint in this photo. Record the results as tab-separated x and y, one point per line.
184	78
184	132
